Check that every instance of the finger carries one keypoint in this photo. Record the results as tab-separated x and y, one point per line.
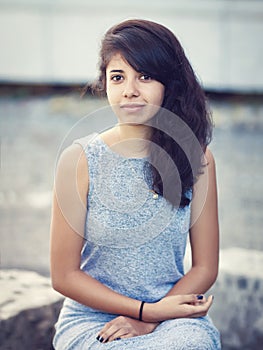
122	333
210	300
100	336
202	309
104	329
105	334
128	335
200	299
188	298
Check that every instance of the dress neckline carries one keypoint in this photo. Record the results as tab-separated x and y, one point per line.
109	149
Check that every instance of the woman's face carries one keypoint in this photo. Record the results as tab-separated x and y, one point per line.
134	96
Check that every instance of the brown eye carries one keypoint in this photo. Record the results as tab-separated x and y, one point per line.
145	77
116	78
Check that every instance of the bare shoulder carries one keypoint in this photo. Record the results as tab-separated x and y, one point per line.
71	157
72	165
210	159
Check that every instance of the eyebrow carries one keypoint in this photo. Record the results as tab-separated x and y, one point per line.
116	71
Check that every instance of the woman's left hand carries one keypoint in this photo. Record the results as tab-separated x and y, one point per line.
124	327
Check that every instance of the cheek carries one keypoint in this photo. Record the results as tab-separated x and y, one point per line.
159	95
111	96
109	92
108	86
112	93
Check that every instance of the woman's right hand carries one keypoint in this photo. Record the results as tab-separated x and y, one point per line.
176	306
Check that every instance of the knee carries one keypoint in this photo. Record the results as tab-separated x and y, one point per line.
197	338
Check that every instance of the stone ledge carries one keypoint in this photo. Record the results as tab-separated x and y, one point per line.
31	329
29	307
22	290
28	310
237	308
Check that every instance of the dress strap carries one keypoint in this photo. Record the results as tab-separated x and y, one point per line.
84	141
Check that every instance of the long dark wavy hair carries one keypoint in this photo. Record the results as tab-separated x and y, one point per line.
183	127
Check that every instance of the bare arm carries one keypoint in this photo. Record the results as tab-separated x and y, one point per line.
204	235
67	232
204	240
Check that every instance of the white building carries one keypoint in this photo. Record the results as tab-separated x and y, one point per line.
57	41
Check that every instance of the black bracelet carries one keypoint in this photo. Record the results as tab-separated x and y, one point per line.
140	312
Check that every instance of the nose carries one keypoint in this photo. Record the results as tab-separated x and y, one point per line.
130	89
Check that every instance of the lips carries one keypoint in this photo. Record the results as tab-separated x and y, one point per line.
132	107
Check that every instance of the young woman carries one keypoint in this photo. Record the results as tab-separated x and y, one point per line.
126	199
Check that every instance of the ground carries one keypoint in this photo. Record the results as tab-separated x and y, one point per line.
33	128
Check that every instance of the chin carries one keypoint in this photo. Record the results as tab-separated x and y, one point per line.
134	119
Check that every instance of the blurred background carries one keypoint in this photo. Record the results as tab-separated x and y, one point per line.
49	51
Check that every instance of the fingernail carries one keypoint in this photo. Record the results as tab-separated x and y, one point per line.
101	339
117	339
98	337
213	297
200	297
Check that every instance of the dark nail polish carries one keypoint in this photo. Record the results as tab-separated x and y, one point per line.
98	337
117	339
200	297
101	339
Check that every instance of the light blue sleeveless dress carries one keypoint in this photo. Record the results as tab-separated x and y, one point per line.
135	245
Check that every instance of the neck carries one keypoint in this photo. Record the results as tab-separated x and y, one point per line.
133	139
133	131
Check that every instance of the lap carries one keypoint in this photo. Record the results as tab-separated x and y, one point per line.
184	334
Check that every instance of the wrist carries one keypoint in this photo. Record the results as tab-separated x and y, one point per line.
141	310
149	314
150	326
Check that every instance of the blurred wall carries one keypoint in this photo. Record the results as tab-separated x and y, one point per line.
57	41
